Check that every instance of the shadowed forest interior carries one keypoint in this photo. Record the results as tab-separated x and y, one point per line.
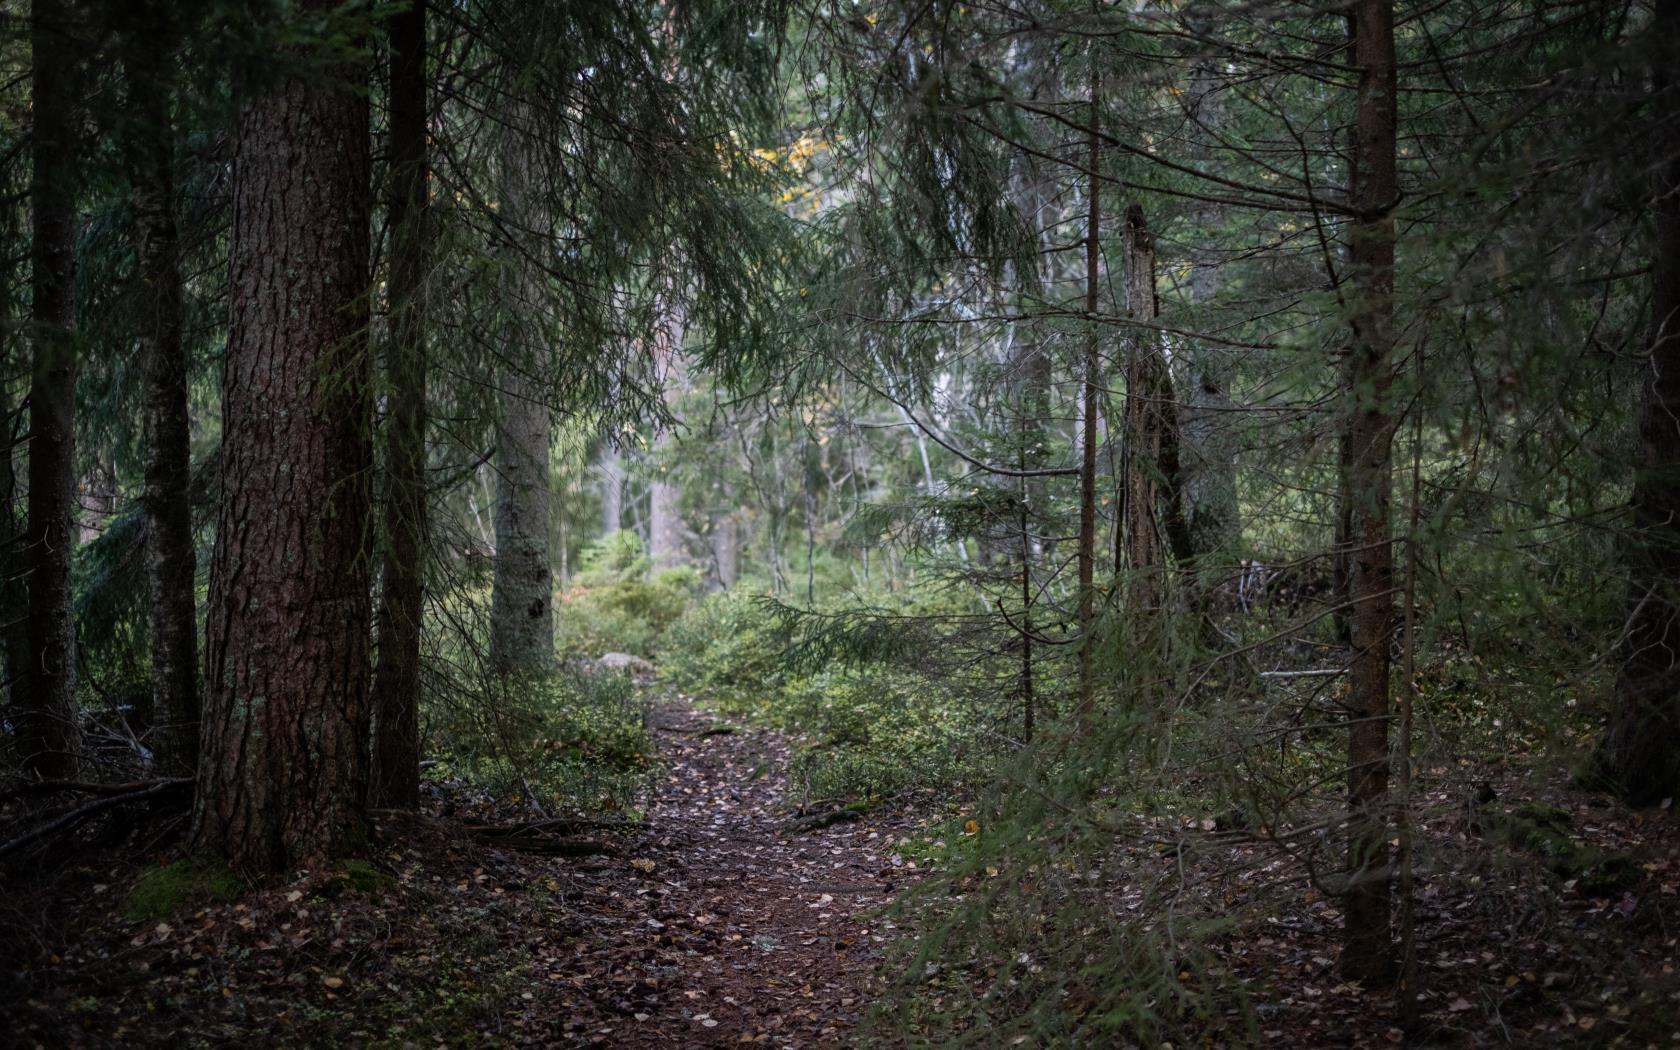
667	523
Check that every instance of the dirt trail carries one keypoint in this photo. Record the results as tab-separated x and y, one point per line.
709	925
722	926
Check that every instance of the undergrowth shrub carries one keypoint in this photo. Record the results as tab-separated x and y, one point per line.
725	650
616	605
870	729
576	741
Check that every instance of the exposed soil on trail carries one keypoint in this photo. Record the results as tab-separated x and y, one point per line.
713	923
745	929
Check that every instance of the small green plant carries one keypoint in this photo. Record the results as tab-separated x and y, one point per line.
162	891
576	740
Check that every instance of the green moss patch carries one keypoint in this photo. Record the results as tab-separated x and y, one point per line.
1544	830
358	876
163	891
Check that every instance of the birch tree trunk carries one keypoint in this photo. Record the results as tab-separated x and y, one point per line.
667	547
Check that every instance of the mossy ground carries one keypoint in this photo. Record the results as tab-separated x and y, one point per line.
162	891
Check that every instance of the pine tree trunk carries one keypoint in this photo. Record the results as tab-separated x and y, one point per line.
14	356
48	733
521	600
1640	751
171	562
396	679
284	772
1366	946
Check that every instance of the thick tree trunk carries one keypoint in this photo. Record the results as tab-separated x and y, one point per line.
284	772
396	679
1640	751
171	563
667	546
48	734
522	593
1366	946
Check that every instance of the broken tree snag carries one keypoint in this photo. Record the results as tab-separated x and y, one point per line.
1150	501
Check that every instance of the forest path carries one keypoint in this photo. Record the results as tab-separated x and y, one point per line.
728	928
711	924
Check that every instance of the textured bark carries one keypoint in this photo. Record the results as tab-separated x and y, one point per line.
1640	751
1091	381
1367	937
48	734
666	538
14	354
1153	519
396	679
284	772
1210	475
522	591
171	562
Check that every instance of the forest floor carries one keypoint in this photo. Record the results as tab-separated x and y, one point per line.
724	918
712	923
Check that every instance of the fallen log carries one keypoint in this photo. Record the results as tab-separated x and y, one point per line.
827	818
74	817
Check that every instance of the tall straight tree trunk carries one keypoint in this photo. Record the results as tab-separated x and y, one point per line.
1085	712
522	592
49	737
611	468
666	547
14	355
171	563
396	679
1640	751
284	774
1367	938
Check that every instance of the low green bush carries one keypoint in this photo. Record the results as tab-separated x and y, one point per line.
575	740
616	605
726	650
870	729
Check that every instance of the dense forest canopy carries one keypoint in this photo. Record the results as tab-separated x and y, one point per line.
1170	511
